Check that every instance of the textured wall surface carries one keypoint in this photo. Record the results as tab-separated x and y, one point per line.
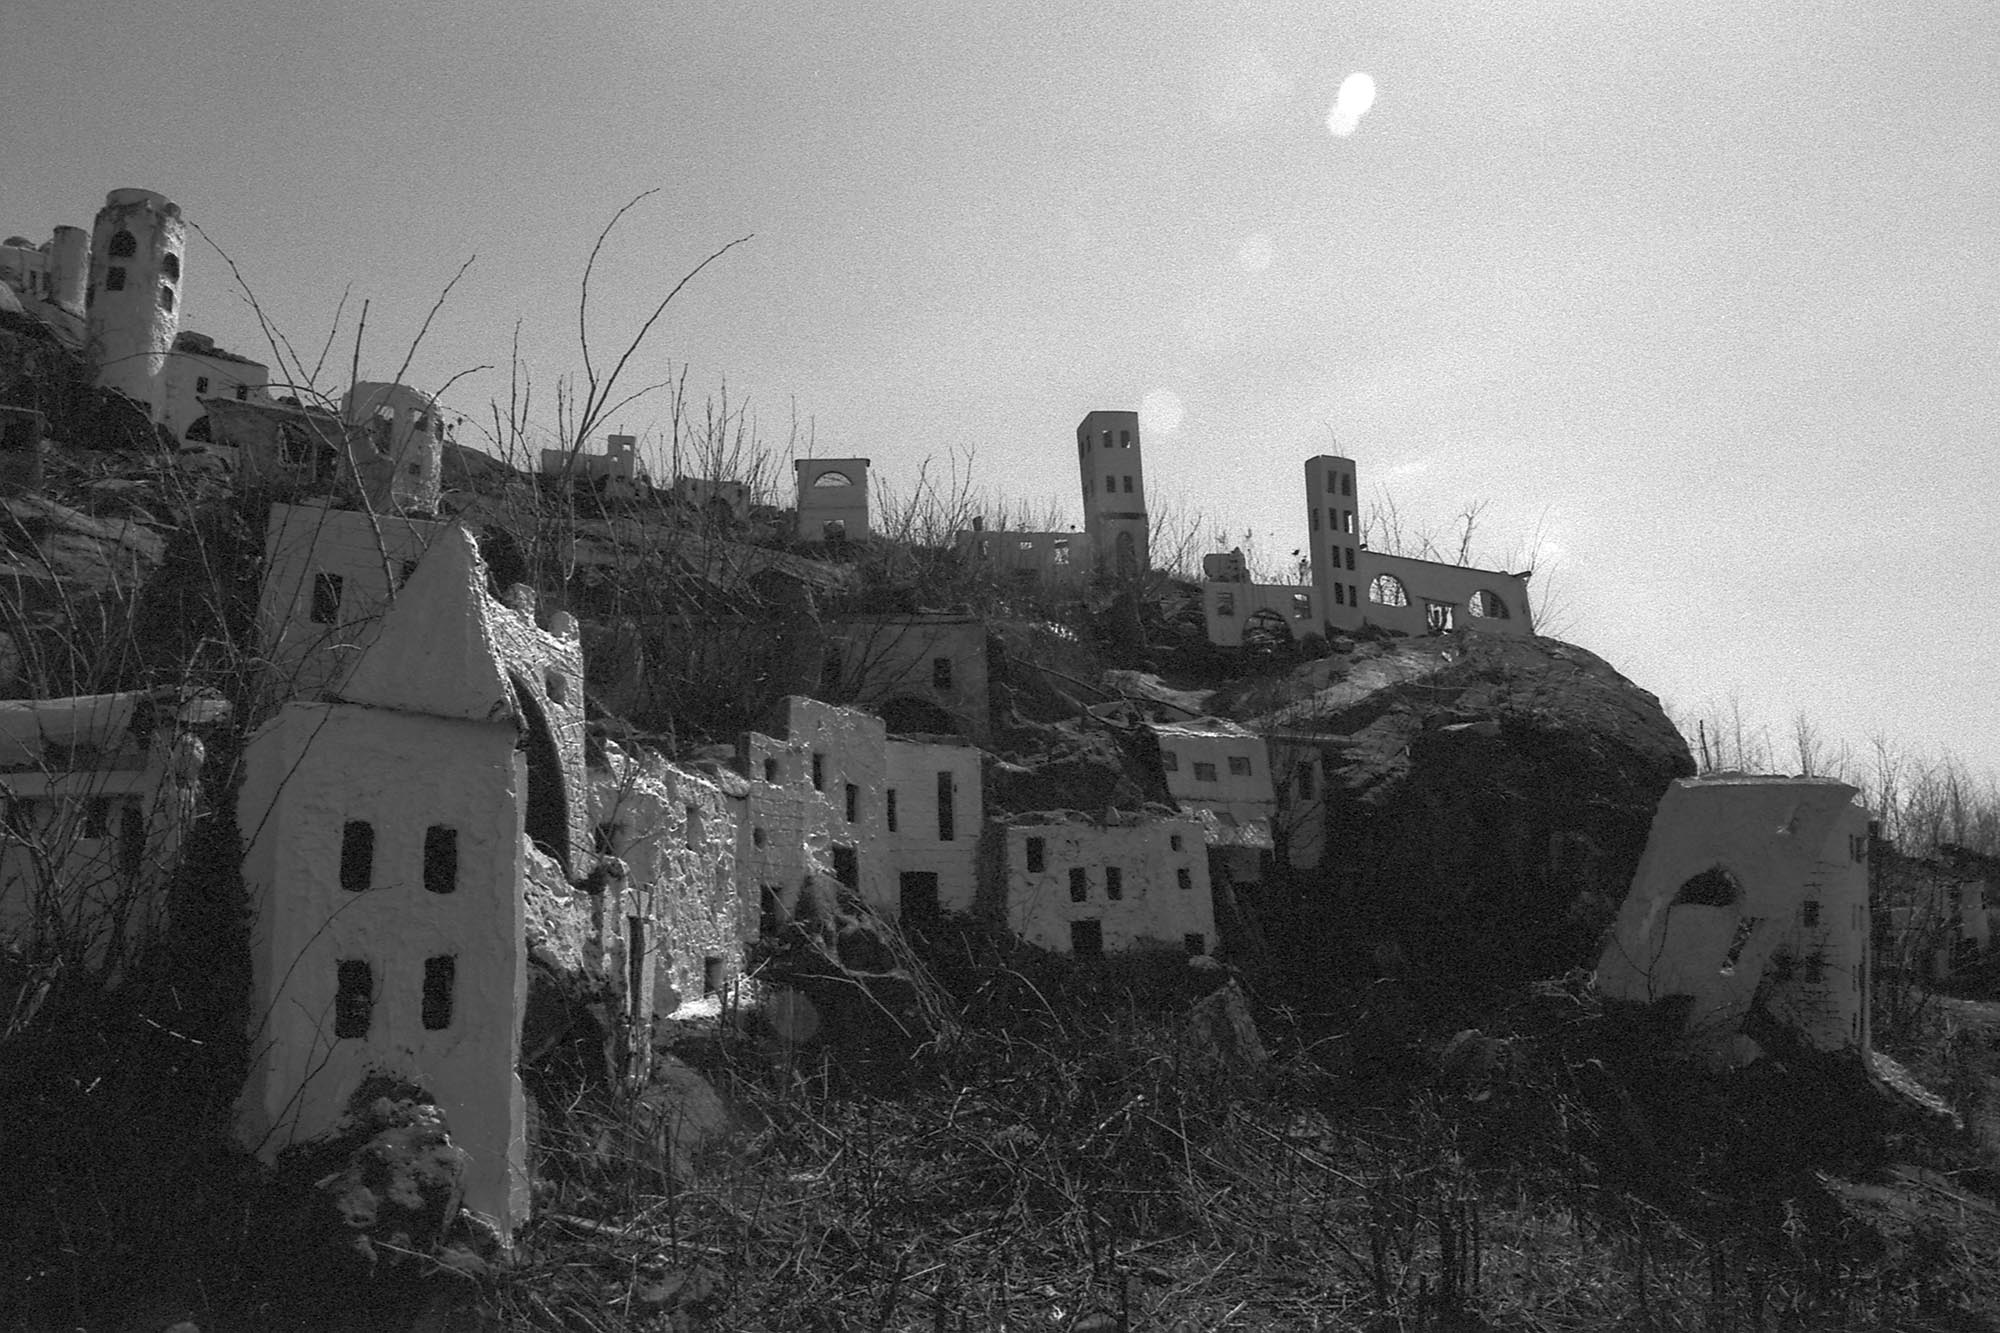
1153	909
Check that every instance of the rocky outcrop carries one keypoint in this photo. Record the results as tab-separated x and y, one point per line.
1486	799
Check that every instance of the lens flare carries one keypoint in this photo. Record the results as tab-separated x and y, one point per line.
1357	94
1160	412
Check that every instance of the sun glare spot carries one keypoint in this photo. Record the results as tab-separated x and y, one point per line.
1357	94
1160	412
1254	255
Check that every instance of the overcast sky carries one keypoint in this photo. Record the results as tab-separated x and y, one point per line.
1708	296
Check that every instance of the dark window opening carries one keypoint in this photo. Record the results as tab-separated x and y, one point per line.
97	817
1239	765
819	772
1195	942
941	673
441	858
770	769
1809	913
770	912
1339	594
1713	887
439	974
635	964
757	835
357	855
847	866
711	975
1114	883
354	1000
917	898
853	803
947	816
1079	884
1185	877
1346	484
326	599
201	384
693	827
242	393
1350	565
1128	485
166	297
170	264
1037	851
408	568
114	280
1745	928
1205	772
123	245
131	840
1174	841
1086	939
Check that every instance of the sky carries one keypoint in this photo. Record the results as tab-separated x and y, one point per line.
1702	302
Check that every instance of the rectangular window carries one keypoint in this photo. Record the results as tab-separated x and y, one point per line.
439	975
1128	485
1086	939
1184	877
1170	761
1079	884
889	809
1204	772
1239	766
711	975
847	866
1114	883
441	858
242	393
1350	557
947	816
1339	594
114	279
1352	596
770	912
1225	604
1332	480
770	769
940	673
97	817
1037	853
357	855
1347	521
354	1000
326	599
1346	483
635	963
1301	606
853	803
1174	841
819	772
1315	518
1124	439
201	384
693	826
1809	913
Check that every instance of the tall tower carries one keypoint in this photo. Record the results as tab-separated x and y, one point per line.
69	267
1114	492
134	298
1334	534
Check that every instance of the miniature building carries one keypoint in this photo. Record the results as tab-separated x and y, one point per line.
1220	774
198	369
391	826
97	792
618	468
401	463
1080	885
933	812
1751	891
721	502
1298	769
1025	557
680	929
1114	492
137	250
1353	586
783	848
56	272
922	672
833	499
328	577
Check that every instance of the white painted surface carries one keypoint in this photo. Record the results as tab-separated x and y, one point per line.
1111	461
916	844
1154	911
131	329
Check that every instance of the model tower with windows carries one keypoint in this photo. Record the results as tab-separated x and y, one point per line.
134	298
387	869
1112	462
1335	535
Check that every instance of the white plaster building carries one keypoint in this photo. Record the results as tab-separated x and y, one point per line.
833	499
96	794
1112	462
389	830
401	463
1751	886
618	467
1220	774
934	809
137	249
56	272
329	575
196	370
1029	558
1088	886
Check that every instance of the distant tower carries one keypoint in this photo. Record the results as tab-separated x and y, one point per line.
398	446
69	267
134	298
1334	532
833	499
1114	492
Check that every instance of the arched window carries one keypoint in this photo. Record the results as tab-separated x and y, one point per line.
123	245
833	479
200	431
1388	590
1487	604
170	266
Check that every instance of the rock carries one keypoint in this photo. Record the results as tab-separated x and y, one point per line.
1487	798
1222	1034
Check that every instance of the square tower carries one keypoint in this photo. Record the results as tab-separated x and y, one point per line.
1112	463
1333	532
833	499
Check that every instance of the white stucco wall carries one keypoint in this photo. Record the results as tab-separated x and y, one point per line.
1154	911
311	771
306	657
132	327
1452	587
1043	557
1227	608
403	434
852	749
1798	849
824	499
192	374
916	844
1197	755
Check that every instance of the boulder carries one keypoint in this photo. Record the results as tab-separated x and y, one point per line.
1486	798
